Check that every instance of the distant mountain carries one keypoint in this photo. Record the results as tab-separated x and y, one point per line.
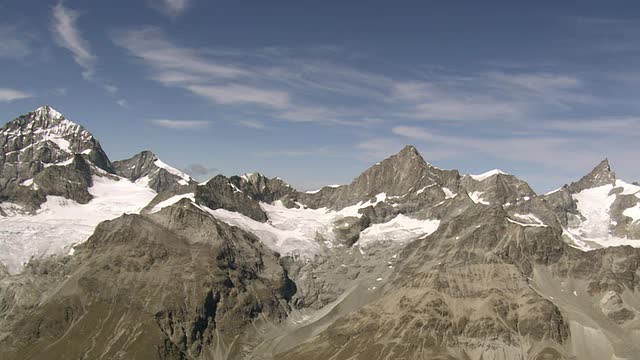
408	261
145	168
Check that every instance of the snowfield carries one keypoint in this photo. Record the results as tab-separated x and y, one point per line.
61	223
305	232
594	205
400	229
488	174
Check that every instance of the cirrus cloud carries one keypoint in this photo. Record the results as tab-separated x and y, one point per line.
180	124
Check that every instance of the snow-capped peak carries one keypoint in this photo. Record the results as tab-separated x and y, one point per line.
48	112
488	174
248	176
172	170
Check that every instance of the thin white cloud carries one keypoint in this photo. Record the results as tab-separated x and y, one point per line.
301	152
252	124
430	101
620	126
14	43
61	91
172	8
560	152
241	94
173	64
68	36
8	95
180	124
295	88
122	103
111	89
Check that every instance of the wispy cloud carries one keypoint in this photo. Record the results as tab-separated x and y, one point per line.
173	65
287	85
252	124
122	103
619	126
298	152
61	91
7	95
68	36
608	35
554	151
180	124
171	7
15	43
240	94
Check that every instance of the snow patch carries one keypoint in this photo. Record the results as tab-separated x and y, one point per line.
448	194
185	178
172	200
424	188
326	186
476	196
401	228
283	233
594	205
553	191
529	220
633	212
61	223
627	189
488	174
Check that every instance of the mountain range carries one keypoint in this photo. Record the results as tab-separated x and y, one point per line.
134	259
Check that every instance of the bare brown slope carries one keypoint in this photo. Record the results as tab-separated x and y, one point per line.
176	285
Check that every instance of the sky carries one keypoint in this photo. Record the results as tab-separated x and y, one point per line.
317	91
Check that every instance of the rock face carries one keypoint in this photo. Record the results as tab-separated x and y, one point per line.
42	149
146	168
400	174
599	210
497	188
407	262
221	193
599	176
175	285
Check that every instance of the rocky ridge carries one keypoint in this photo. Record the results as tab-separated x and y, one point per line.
408	261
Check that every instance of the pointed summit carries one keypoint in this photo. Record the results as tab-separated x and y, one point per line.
46	137
400	174
409	149
146	168
47	111
44	117
599	176
408	153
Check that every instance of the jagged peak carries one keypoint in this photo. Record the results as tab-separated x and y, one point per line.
603	165
147	154
408	154
602	172
409	149
44	118
599	176
49	112
251	176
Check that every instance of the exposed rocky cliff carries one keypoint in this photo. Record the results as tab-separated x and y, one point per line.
408	261
43	153
147	169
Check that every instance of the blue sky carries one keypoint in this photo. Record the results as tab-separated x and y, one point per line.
317	91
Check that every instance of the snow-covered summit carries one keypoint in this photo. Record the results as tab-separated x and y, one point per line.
147	169
488	174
